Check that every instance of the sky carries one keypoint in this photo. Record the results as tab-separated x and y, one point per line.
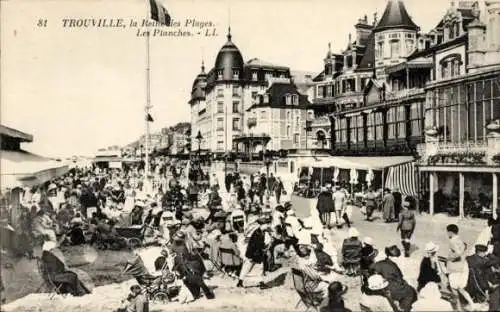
80	89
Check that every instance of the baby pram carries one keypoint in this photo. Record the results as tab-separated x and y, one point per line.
163	287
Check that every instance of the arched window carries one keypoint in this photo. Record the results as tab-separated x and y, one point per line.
288	131
450	65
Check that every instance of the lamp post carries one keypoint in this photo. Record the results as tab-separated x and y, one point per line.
267	162
199	137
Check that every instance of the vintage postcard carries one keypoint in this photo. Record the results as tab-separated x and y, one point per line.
249	155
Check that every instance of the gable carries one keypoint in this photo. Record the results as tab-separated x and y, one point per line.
373	96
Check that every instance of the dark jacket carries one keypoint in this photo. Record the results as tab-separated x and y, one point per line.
325	202
256	245
427	273
399	289
398	200
323	260
351	250
477	282
368	254
189	264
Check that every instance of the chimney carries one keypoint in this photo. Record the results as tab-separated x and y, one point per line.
363	30
375	21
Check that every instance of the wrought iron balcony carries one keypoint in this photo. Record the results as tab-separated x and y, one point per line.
462	146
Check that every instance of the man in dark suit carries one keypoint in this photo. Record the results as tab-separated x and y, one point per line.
228	181
398	201
324	206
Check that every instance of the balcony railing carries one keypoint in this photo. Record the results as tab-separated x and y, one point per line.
401	94
462	146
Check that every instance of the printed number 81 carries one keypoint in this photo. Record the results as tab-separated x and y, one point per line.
42	23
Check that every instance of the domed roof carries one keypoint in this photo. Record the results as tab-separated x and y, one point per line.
201	78
396	16
199	84
229	58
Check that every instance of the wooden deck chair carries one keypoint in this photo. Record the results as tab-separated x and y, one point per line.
47	281
310	299
229	260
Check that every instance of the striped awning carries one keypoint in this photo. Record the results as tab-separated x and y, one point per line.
404	178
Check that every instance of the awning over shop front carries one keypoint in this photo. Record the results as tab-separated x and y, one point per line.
373	163
20	169
355	162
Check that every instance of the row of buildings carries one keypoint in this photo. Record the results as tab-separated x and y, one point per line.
393	92
173	140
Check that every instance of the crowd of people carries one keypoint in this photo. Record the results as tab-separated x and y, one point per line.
206	228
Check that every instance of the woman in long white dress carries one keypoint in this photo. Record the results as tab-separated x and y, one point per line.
129	198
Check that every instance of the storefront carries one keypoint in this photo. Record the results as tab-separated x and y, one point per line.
460	161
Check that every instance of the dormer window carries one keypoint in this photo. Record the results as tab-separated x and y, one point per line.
295	99
220	74
254	76
288	99
266	98
236	74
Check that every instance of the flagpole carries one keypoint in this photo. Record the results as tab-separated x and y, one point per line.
148	96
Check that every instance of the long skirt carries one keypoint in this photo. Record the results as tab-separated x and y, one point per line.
388	212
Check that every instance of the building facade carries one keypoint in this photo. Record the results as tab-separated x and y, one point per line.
222	104
376	93
276	121
460	158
